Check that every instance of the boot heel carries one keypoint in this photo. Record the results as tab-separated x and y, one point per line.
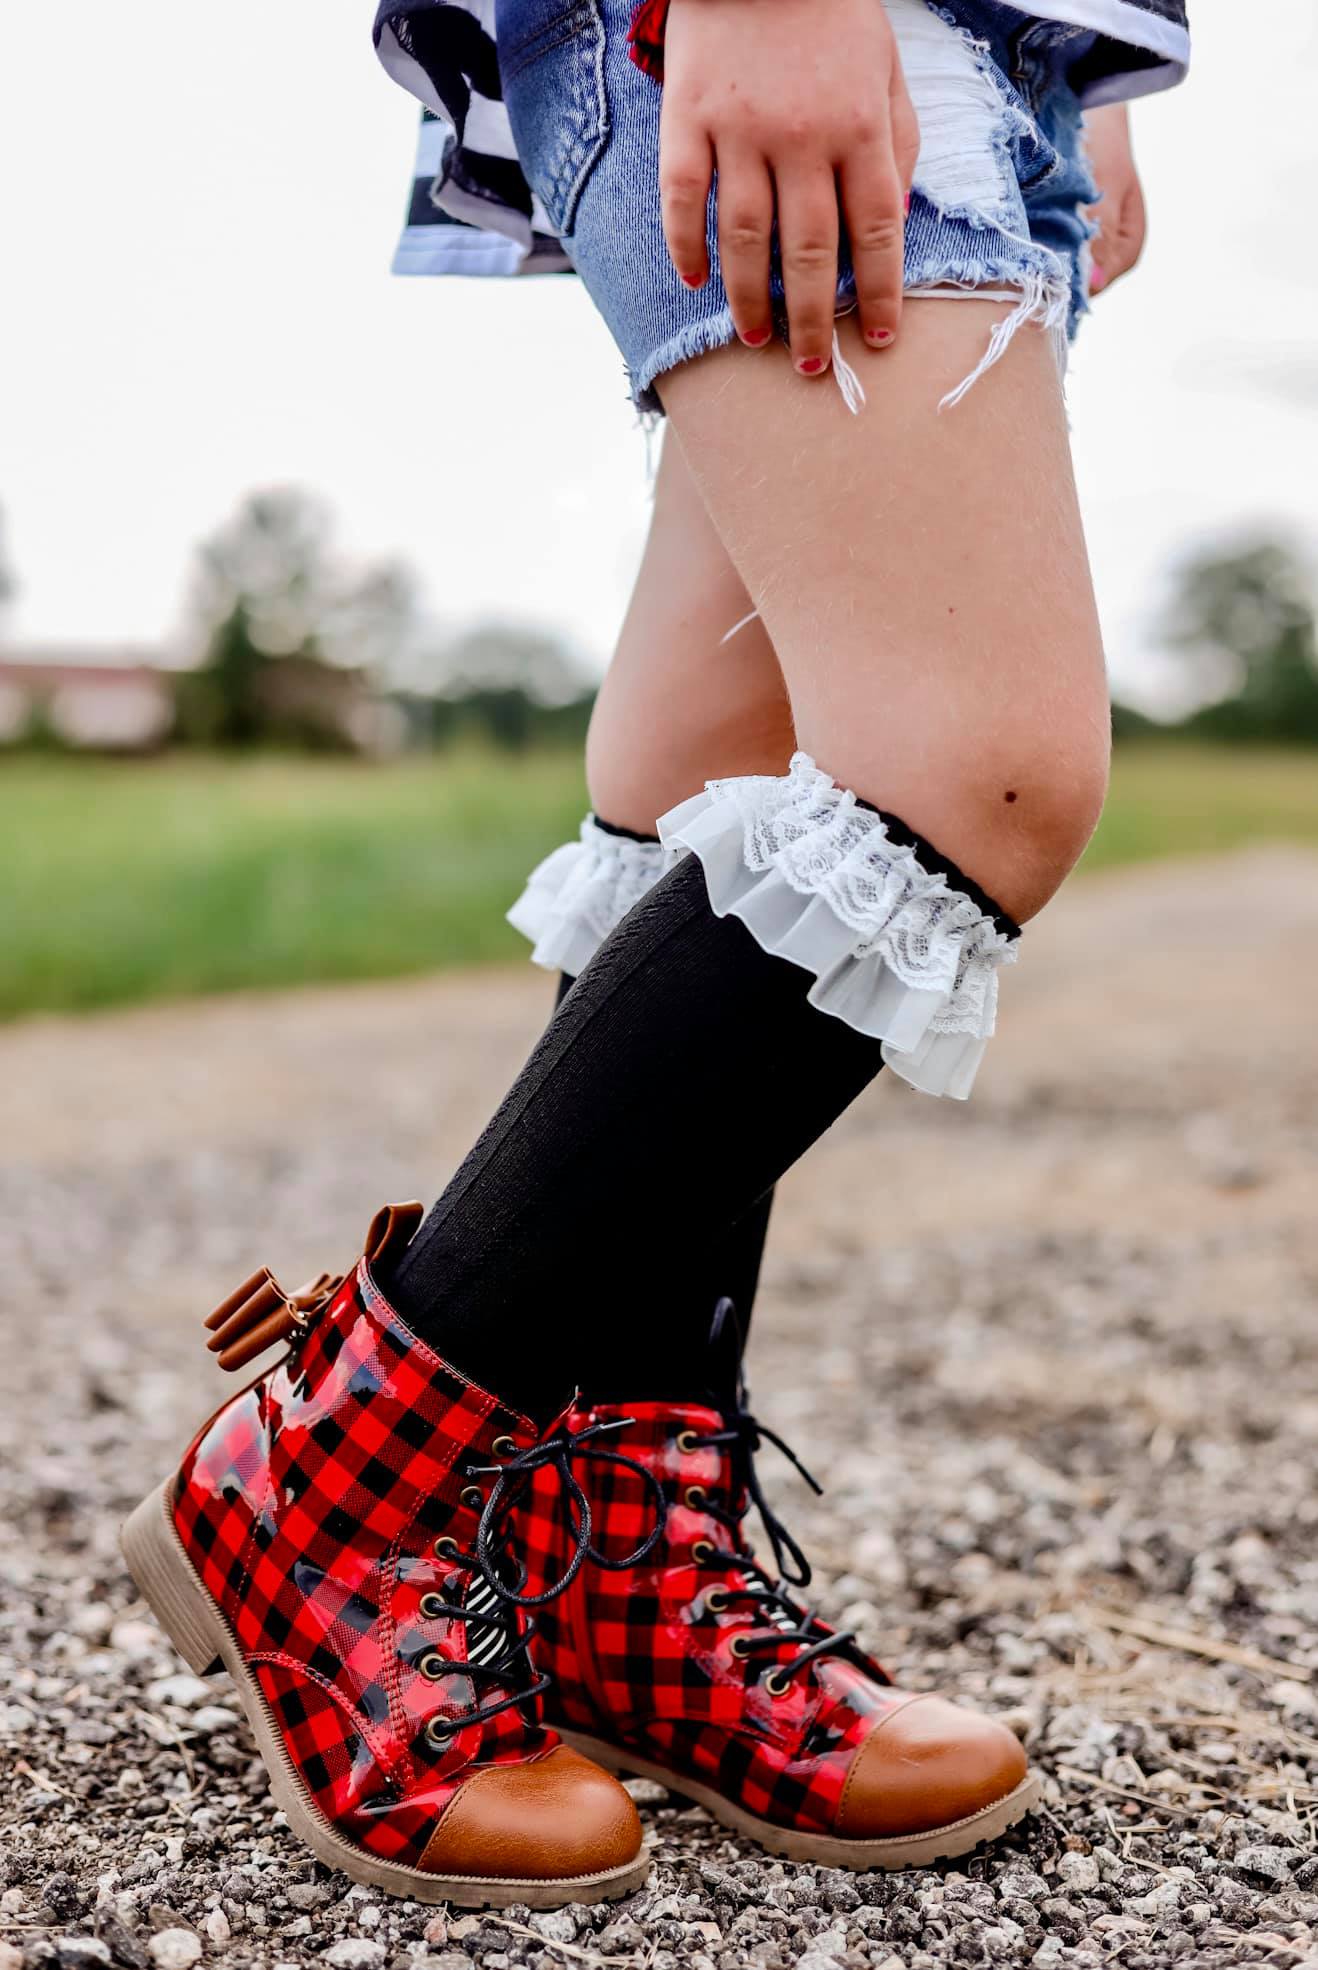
160	1567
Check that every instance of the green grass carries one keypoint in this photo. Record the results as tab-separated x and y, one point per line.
127	881
1182	799
123	881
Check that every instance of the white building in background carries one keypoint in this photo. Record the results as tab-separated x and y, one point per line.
119	701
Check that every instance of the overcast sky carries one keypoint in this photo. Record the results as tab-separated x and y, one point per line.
199	205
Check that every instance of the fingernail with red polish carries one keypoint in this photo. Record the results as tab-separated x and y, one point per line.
1097	279
691	280
811	365
879	337
755	338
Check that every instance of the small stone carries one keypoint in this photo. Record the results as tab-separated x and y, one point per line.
137	1638
556	1925
310	1894
186	1691
1079	1872
1022	1884
175	1949
213	1717
10	1958
218	1928
1264	1863
436	1930
356	1953
466	1925
74	1950
646	1792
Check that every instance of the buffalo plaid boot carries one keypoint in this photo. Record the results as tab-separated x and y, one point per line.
700	1668
341	1538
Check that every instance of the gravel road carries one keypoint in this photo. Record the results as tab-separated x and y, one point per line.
1053	1354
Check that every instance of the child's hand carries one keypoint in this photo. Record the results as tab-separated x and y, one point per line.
801	107
1120	217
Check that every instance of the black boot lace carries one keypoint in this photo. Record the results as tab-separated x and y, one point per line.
743	1435
492	1606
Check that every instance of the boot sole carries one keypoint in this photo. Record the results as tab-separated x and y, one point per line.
165	1575
941	1843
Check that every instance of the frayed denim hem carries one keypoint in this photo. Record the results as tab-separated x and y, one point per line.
1038	276
697	338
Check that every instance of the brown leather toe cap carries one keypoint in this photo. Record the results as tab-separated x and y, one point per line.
924	1766
548	1819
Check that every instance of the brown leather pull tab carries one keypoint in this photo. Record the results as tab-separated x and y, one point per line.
260	1314
251	1320
392	1227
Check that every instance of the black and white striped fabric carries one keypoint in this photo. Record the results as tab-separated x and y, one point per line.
471	210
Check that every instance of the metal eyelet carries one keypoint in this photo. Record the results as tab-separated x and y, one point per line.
473	1497
776	1683
694	1497
687	1442
740	1647
433	1607
445	1548
505	1446
433	1666
716	1600
438	1734
702	1553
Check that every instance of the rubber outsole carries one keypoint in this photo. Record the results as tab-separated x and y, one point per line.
942	1843
197	1628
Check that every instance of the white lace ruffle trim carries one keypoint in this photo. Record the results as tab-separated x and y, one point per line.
580	894
895	951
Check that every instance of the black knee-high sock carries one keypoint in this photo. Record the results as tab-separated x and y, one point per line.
734	1263
683	1074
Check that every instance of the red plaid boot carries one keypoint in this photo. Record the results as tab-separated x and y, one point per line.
701	1669
338	1538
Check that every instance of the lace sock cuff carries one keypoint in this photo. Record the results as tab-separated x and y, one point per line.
901	945
579	895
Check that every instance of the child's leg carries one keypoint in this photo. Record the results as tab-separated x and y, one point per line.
693	693
923	576
683	700
924	579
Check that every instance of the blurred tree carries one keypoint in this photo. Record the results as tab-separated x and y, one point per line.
1241	625
513	686
289	640
497	656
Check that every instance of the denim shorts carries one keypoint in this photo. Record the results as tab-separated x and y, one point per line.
997	203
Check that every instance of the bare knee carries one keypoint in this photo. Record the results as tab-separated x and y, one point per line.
1013	811
1036	824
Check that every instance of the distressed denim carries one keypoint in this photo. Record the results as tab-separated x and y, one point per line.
997	202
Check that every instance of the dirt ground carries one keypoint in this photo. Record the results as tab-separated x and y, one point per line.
1054	1354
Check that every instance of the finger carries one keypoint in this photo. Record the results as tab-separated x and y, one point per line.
873	200
686	167
1117	246
905	129
745	239
808	242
